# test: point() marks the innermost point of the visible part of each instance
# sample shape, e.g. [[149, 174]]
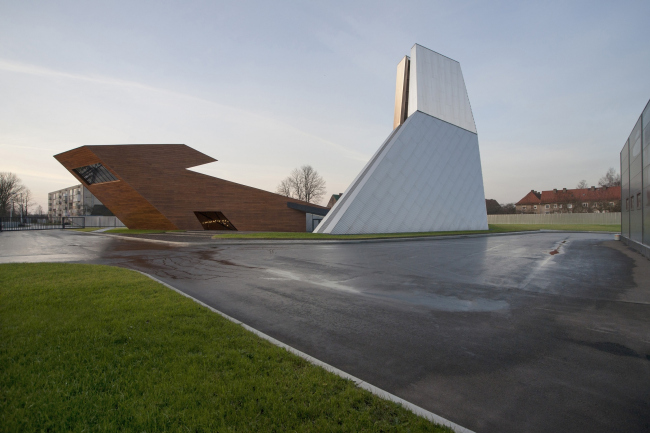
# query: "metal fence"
[[557, 218], [49, 223], [40, 223]]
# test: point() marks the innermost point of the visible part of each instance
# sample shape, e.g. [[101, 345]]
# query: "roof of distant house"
[[531, 198], [583, 194], [572, 195], [334, 199]]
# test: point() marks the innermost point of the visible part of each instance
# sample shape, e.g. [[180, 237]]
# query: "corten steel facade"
[[635, 185], [149, 187]]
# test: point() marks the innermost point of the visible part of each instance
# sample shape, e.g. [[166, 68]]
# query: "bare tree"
[[26, 200], [10, 189], [582, 184], [610, 179], [284, 188], [303, 183]]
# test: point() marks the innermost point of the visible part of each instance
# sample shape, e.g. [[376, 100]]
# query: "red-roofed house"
[[592, 200], [530, 203]]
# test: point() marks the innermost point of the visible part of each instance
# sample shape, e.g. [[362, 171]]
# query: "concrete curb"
[[577, 231], [131, 238], [358, 382], [358, 241], [639, 247], [336, 241], [370, 241]]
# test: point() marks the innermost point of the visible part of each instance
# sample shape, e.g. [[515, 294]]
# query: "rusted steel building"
[[148, 186]]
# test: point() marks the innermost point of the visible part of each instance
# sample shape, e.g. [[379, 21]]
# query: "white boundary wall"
[[557, 218], [103, 221]]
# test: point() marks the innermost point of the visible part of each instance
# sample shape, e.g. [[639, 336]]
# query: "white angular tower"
[[427, 175]]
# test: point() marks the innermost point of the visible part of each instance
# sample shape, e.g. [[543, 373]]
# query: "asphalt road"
[[492, 333]]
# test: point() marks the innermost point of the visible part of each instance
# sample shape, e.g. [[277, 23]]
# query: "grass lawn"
[[98, 348], [87, 229], [141, 232], [493, 228]]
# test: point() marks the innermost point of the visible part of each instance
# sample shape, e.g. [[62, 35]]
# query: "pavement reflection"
[[509, 333]]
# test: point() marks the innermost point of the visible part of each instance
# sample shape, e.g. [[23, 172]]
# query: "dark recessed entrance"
[[214, 221]]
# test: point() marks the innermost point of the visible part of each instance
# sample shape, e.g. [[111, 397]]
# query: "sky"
[[264, 87]]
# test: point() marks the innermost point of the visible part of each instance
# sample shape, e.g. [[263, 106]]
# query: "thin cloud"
[[23, 68]]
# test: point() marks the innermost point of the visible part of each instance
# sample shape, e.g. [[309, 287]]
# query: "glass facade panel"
[[625, 190], [636, 184], [636, 210], [636, 164], [646, 215], [95, 173], [646, 127], [645, 139]]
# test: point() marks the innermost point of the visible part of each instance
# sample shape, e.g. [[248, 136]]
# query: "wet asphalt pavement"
[[493, 333]]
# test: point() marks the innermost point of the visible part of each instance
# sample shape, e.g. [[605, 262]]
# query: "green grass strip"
[[493, 228], [98, 348], [501, 228], [87, 229], [141, 232]]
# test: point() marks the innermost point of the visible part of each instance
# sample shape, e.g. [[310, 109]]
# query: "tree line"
[[15, 198], [610, 179]]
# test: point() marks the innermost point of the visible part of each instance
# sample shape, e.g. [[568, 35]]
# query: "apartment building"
[[74, 201]]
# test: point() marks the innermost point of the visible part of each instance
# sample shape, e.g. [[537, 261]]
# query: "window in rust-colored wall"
[[214, 221], [95, 173]]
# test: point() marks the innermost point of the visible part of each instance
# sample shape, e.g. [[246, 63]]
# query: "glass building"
[[635, 185]]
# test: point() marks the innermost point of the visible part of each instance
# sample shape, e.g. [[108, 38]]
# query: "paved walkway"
[[492, 333]]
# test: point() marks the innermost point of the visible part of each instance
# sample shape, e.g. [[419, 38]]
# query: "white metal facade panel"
[[426, 177], [437, 88]]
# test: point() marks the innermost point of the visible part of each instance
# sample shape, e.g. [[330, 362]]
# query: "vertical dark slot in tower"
[[405, 104], [402, 92]]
